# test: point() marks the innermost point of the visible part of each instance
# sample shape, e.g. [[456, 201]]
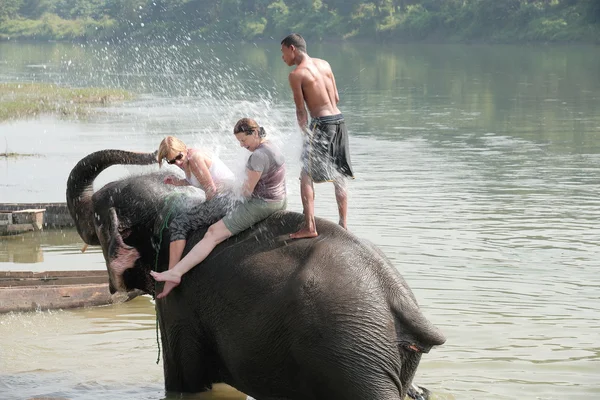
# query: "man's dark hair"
[[296, 40]]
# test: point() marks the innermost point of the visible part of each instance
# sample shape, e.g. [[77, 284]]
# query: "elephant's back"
[[263, 259], [269, 239]]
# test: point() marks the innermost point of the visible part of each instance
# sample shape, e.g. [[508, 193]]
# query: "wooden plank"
[[52, 278], [52, 281], [45, 274], [53, 297]]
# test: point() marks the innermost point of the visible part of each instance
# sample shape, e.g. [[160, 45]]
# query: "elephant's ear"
[[413, 331], [120, 256]]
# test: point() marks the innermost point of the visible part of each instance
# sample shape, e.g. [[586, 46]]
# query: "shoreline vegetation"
[[17, 155], [28, 100], [386, 21]]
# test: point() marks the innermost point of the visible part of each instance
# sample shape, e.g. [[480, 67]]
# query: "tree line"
[[377, 20]]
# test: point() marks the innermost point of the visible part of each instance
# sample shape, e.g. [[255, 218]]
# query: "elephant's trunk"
[[80, 186]]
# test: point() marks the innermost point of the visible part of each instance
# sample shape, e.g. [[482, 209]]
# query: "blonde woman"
[[203, 171], [264, 190]]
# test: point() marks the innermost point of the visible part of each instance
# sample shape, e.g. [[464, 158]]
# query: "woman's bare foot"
[[304, 233], [171, 279]]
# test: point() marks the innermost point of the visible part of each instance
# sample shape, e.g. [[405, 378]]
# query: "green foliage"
[[548, 28], [253, 28], [442, 20], [344, 8], [34, 9], [277, 16], [592, 10], [51, 26], [9, 9], [418, 22]]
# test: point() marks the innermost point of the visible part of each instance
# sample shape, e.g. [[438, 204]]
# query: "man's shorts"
[[246, 213], [326, 152]]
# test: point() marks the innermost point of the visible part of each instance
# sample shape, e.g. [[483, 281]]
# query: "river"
[[477, 173]]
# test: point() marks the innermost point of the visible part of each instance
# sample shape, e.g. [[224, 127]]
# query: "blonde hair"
[[169, 143]]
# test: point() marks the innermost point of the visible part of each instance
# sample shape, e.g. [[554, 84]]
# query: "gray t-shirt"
[[268, 159]]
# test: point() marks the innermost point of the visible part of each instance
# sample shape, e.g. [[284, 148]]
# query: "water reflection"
[[15, 249], [48, 250]]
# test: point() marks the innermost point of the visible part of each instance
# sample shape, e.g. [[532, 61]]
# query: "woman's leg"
[[216, 233], [180, 226], [175, 252]]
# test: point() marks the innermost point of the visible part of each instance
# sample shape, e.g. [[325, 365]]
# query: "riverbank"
[[25, 100]]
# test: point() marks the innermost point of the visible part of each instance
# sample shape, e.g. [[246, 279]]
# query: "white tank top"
[[220, 174]]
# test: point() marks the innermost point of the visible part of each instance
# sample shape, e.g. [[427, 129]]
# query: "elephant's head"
[[80, 186], [119, 217]]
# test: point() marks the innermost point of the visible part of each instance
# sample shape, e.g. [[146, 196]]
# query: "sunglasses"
[[173, 161]]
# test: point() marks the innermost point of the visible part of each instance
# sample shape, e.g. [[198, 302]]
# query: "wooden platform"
[[19, 221], [56, 215], [30, 291]]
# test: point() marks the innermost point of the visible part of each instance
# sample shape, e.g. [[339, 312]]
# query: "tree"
[[9, 9], [34, 9], [344, 8], [593, 10]]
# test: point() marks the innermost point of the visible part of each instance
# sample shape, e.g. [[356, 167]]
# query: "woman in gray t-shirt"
[[265, 194]]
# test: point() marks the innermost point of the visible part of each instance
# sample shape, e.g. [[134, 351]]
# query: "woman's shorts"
[[247, 213]]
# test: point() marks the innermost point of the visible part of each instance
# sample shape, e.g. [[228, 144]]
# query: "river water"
[[477, 172]]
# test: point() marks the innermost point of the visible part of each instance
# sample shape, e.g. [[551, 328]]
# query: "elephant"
[[321, 318]]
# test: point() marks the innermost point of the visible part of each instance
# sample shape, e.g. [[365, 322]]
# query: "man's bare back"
[[318, 87]]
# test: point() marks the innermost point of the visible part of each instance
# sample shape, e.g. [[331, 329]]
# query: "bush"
[[253, 28], [418, 23]]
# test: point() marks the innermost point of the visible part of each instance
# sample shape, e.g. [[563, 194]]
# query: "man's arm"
[[337, 96], [301, 114]]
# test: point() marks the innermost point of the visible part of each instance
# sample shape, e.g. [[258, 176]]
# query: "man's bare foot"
[[170, 278], [304, 233], [343, 224]]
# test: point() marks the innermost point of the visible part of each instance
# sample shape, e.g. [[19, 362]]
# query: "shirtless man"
[[325, 154]]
